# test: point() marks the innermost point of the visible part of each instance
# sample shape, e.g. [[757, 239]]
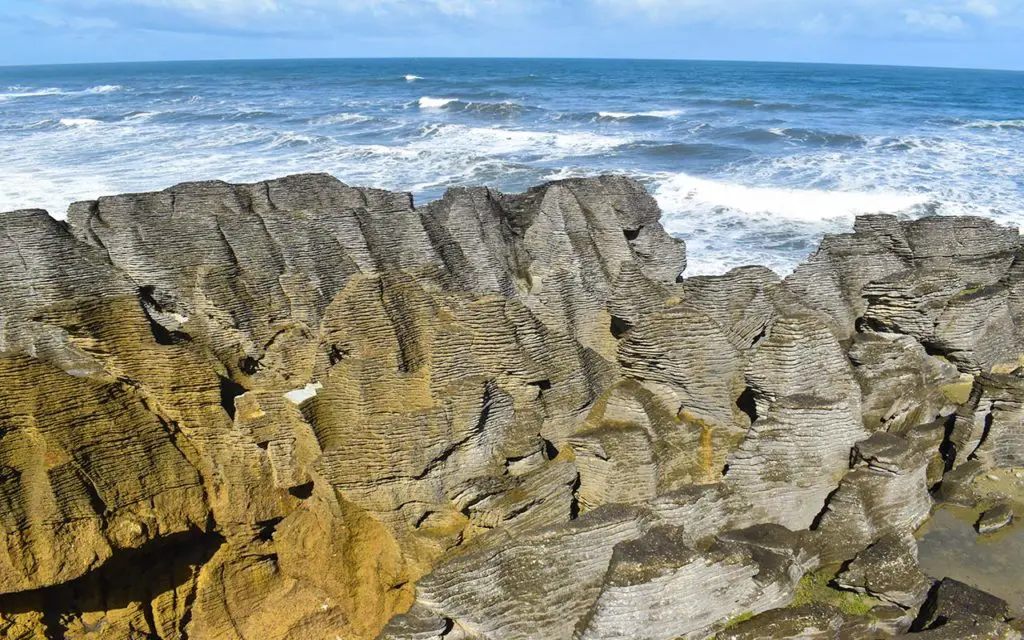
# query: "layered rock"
[[300, 409]]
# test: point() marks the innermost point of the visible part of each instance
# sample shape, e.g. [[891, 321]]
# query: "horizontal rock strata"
[[298, 409]]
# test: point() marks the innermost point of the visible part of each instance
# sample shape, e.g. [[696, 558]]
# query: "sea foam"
[[104, 88], [685, 192], [426, 102], [79, 122], [626, 115]]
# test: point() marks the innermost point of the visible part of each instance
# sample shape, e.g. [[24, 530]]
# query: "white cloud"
[[984, 8], [933, 20], [463, 8], [818, 16], [806, 17]]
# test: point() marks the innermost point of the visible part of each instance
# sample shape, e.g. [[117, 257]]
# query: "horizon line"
[[505, 58]]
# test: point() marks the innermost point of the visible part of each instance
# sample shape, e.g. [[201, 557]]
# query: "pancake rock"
[[298, 409]]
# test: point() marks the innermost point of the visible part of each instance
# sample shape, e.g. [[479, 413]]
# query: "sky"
[[949, 33]]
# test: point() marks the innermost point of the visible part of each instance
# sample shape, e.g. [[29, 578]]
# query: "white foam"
[[412, 78], [343, 118], [994, 124], [145, 115], [104, 88], [21, 92], [426, 102], [79, 122], [625, 115], [477, 141], [685, 192]]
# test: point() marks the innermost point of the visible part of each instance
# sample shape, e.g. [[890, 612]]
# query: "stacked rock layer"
[[302, 410]]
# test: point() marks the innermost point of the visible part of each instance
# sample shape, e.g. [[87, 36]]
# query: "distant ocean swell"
[[750, 163]]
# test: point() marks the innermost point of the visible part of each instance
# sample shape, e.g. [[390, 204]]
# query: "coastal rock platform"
[[302, 410]]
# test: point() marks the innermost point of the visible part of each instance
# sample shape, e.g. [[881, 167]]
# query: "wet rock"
[[973, 629], [810, 621], [958, 484], [995, 518], [951, 601], [888, 569]]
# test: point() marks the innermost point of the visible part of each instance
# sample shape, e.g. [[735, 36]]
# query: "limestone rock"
[[807, 407], [657, 587], [988, 426], [995, 518], [888, 570], [901, 385], [886, 493], [298, 409], [954, 601]]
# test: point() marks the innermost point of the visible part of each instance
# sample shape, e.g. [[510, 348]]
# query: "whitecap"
[[21, 92], [626, 115], [994, 124], [79, 122], [142, 116], [461, 139], [683, 192], [104, 88], [411, 78], [426, 102], [342, 118]]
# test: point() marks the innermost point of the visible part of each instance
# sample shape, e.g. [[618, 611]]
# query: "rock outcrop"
[[298, 409]]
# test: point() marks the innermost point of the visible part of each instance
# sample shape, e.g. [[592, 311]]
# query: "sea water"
[[751, 162]]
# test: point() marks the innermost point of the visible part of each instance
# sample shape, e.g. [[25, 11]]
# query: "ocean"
[[751, 162]]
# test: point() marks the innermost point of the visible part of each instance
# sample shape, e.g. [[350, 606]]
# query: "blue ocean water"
[[751, 162]]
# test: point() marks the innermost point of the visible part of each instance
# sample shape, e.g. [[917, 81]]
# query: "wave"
[[79, 122], [994, 124], [137, 116], [618, 116], [426, 102], [823, 138], [750, 103], [686, 150], [342, 118], [290, 139], [21, 92], [411, 78], [104, 88], [494, 141], [625, 115], [501, 109], [684, 193]]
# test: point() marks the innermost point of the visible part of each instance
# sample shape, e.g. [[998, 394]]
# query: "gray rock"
[[988, 426], [886, 493], [888, 570], [995, 518], [956, 602]]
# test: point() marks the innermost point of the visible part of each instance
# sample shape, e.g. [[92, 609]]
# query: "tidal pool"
[[949, 547]]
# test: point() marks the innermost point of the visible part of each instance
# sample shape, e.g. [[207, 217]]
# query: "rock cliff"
[[301, 410]]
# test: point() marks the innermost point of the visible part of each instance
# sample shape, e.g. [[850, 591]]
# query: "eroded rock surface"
[[298, 409]]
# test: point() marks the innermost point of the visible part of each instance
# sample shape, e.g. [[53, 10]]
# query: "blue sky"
[[962, 33]]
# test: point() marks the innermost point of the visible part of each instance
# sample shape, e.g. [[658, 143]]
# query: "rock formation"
[[302, 410]]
